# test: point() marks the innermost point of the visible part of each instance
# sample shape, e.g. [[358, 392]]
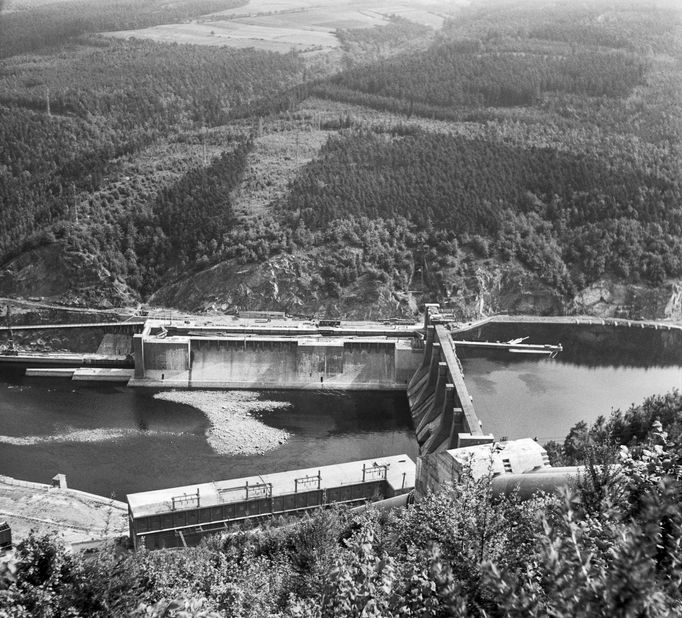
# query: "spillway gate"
[[442, 410]]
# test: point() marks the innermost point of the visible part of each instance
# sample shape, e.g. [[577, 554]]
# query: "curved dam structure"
[[442, 411]]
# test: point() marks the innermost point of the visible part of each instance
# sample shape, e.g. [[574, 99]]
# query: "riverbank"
[[575, 320], [77, 516], [234, 429]]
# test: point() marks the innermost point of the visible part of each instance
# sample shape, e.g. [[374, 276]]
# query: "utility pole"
[[10, 349], [75, 202], [47, 101]]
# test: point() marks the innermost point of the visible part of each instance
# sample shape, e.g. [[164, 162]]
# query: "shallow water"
[[125, 440]]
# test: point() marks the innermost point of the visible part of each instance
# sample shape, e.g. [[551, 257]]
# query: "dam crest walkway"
[[441, 407]]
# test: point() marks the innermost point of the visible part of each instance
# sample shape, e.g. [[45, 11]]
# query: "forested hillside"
[[26, 29], [68, 120], [455, 75], [556, 212], [506, 161]]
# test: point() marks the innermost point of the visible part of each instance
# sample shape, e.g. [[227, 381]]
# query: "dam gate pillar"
[[440, 404]]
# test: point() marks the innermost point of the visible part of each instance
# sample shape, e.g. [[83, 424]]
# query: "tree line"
[[445, 77], [629, 25]]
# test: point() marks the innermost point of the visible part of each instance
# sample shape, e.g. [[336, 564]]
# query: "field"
[[238, 34], [284, 25], [26, 5]]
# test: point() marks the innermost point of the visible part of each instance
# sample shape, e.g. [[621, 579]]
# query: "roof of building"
[[516, 456], [400, 474]]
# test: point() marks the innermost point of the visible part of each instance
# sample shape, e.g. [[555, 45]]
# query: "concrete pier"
[[42, 360], [52, 372], [99, 374]]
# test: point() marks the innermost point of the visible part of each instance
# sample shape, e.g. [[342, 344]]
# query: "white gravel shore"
[[234, 430], [82, 435]]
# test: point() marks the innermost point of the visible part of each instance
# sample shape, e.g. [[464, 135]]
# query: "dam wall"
[[274, 362], [442, 410], [256, 361], [116, 344]]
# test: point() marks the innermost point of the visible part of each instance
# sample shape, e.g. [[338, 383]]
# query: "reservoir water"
[[113, 440], [602, 368]]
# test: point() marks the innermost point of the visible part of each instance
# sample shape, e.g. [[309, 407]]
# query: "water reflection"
[[590, 346]]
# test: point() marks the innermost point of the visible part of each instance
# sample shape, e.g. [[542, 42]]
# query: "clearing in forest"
[[278, 154], [301, 25]]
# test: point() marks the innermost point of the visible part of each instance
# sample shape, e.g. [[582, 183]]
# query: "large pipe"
[[385, 505], [546, 480]]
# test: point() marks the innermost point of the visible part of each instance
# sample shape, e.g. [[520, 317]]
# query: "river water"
[[112, 440]]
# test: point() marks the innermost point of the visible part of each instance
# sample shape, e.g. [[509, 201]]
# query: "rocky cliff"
[[292, 283]]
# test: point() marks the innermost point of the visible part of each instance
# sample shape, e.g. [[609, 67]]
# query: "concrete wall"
[[271, 362], [253, 361], [116, 344], [138, 353], [166, 359], [319, 363], [369, 362], [407, 361]]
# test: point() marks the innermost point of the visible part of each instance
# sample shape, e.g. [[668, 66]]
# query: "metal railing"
[[374, 472], [308, 482], [186, 501]]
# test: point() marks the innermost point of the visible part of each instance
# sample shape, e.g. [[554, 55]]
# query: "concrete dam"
[[420, 360], [286, 354], [180, 359]]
